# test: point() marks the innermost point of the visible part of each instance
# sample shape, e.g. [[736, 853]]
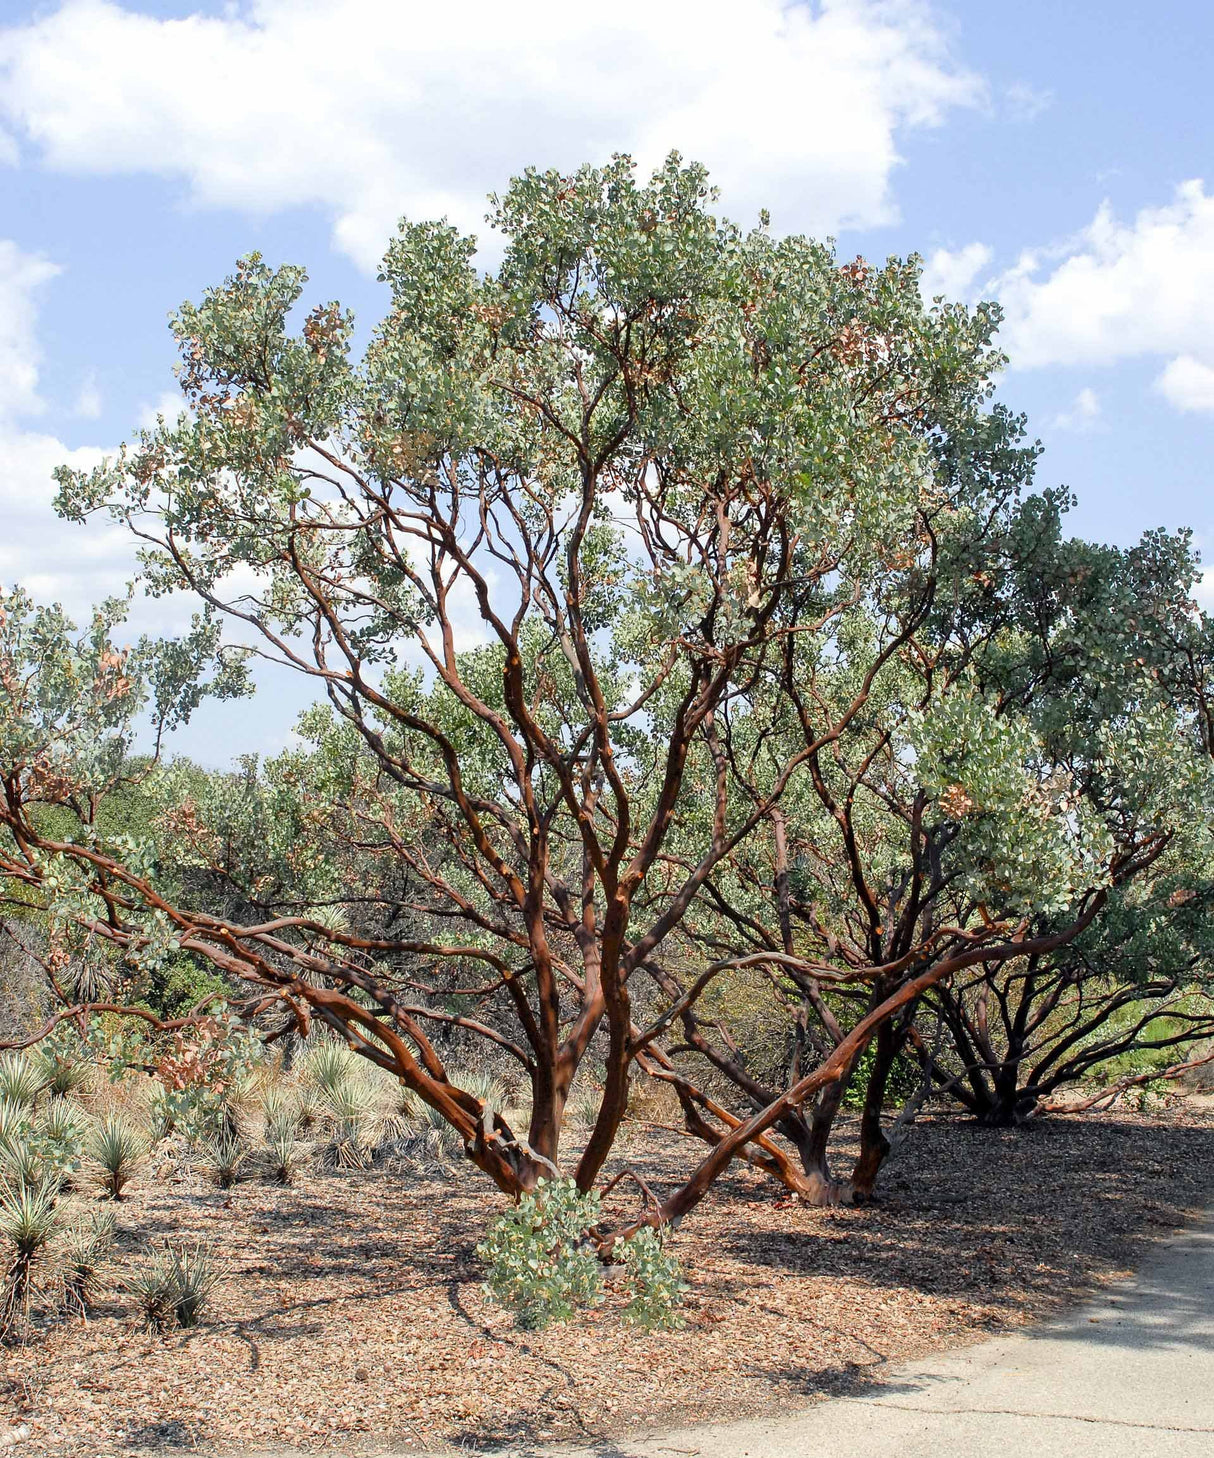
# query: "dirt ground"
[[352, 1314]]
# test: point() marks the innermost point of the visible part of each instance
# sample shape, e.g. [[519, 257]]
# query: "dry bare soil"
[[352, 1316]]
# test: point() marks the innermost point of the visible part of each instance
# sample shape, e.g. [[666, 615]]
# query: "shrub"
[[222, 1157], [541, 1262], [279, 1106], [428, 1145], [21, 1078], [85, 1246], [352, 1106], [59, 1135], [174, 1285], [20, 1162], [327, 1065], [117, 1148], [64, 1069], [653, 1282], [28, 1220], [282, 1151]]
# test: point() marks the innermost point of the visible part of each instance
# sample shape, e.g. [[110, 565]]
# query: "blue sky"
[[1059, 157]]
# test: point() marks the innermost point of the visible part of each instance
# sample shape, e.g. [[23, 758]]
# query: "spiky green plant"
[[28, 1220], [282, 1151], [21, 1163], [21, 1078], [430, 1145], [117, 1148], [13, 1116], [279, 1104], [327, 1065], [64, 1071], [481, 1084], [86, 1245], [195, 1275], [153, 1287], [582, 1109], [355, 1119], [222, 1157], [174, 1284]]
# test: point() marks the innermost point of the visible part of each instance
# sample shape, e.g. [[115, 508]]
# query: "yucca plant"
[[117, 1148], [328, 1065], [310, 1106], [21, 1164], [85, 1247], [12, 1117], [582, 1109], [195, 1276], [278, 1106], [63, 1072], [28, 1220], [282, 1150], [154, 1289], [173, 1285], [222, 1156], [481, 1085], [431, 1146], [21, 1078]]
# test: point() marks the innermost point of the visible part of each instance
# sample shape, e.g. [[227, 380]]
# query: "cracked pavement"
[[1131, 1373]]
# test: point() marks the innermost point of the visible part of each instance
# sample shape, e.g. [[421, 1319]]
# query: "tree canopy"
[[683, 634]]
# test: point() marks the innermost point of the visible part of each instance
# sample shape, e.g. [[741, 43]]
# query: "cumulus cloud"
[[954, 274], [1082, 414], [21, 275], [1187, 384], [1123, 290], [369, 110], [52, 560]]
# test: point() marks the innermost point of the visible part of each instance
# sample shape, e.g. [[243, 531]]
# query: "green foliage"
[[40, 1149], [540, 1257], [59, 1134], [174, 1285], [222, 1156], [763, 535], [29, 1219], [653, 1282], [21, 1078], [86, 1246], [282, 1150], [65, 1062], [117, 1149]]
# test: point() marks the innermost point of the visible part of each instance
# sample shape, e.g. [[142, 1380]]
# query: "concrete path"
[[1129, 1376]]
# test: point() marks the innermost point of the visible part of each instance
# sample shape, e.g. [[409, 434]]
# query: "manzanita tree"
[[567, 536], [975, 789]]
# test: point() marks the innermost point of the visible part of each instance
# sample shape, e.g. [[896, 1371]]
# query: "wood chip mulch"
[[352, 1315]]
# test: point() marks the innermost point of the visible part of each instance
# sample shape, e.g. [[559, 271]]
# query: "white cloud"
[[368, 110], [169, 404], [1083, 413], [1120, 291], [21, 274], [1025, 103], [88, 401], [954, 274], [55, 561], [1187, 384]]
